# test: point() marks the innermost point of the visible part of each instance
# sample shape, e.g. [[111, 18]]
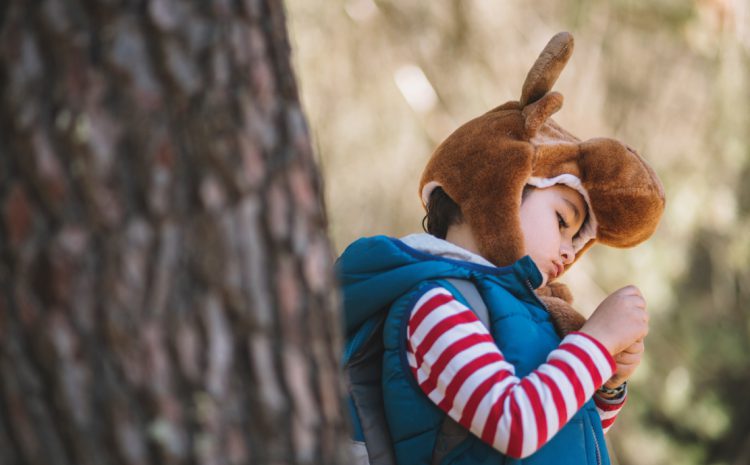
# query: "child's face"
[[550, 219]]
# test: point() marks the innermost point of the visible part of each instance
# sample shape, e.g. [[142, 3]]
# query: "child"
[[512, 200]]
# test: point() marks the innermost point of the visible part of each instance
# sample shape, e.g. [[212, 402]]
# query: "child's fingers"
[[631, 290], [637, 347], [632, 295], [625, 358]]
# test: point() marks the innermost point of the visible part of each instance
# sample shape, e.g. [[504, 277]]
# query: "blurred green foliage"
[[384, 81]]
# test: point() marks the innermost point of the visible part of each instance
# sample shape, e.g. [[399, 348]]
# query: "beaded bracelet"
[[618, 391]]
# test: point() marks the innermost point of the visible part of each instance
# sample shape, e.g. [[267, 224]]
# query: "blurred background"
[[384, 81]]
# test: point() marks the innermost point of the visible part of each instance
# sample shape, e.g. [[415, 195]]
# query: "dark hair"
[[442, 212], [526, 191]]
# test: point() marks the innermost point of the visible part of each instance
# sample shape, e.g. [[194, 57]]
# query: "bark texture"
[[166, 293]]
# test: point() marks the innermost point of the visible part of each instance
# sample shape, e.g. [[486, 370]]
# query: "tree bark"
[[166, 284]]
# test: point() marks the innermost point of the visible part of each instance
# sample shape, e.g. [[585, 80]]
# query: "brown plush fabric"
[[485, 164], [559, 302]]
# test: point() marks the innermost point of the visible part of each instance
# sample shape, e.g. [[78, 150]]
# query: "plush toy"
[[486, 163]]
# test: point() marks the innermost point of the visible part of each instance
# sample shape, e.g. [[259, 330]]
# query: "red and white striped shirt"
[[458, 366]]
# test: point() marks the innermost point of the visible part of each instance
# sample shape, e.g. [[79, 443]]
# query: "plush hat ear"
[[627, 196], [547, 68], [535, 114]]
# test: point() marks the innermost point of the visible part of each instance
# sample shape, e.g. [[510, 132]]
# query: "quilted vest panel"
[[525, 335]]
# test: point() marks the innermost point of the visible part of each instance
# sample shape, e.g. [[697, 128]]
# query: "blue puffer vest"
[[383, 273]]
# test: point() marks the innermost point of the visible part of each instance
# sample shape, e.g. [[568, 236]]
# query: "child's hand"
[[627, 362], [620, 320]]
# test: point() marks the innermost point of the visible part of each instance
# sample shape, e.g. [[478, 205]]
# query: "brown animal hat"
[[485, 164]]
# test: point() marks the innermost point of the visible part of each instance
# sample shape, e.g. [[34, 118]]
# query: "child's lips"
[[557, 270]]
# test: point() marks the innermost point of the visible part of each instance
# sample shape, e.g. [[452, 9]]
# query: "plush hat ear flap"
[[626, 194], [547, 68], [556, 289], [491, 200], [565, 318], [537, 113]]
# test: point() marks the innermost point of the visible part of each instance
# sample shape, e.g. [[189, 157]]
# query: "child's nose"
[[567, 254]]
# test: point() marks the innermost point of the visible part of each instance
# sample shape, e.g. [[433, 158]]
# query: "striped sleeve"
[[458, 366], [608, 410]]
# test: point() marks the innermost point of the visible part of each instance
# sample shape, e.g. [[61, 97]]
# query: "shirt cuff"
[[601, 365], [616, 401]]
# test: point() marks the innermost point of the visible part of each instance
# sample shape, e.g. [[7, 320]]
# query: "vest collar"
[[427, 246]]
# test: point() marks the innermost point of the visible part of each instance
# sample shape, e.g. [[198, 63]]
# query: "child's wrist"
[[600, 342], [609, 393], [601, 338], [602, 349]]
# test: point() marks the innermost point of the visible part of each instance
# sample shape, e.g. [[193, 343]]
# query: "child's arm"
[[608, 410], [458, 366], [627, 362]]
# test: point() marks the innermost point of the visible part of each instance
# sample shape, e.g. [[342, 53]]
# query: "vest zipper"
[[536, 297], [593, 432], [596, 444]]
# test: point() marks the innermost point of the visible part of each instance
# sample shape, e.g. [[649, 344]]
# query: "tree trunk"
[[166, 285]]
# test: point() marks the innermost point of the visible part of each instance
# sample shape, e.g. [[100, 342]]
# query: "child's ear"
[[547, 68]]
